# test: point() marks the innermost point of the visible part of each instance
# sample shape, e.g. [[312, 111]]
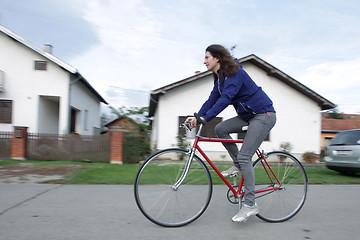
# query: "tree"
[[334, 114], [140, 115]]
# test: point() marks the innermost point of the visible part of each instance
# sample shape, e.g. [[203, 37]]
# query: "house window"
[[40, 65], [5, 111], [208, 129]]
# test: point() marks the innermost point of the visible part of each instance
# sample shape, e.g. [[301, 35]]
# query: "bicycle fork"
[[176, 186]]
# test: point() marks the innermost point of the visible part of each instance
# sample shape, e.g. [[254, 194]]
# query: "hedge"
[[135, 148]]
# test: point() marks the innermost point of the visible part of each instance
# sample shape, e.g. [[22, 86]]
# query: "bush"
[[285, 147], [135, 148], [310, 157]]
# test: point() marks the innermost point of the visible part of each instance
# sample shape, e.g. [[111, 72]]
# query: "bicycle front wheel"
[[157, 195], [282, 188]]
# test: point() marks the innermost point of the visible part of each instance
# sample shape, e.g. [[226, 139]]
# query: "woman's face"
[[212, 63]]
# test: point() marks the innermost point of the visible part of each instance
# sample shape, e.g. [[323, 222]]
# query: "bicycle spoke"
[[164, 203], [283, 203]]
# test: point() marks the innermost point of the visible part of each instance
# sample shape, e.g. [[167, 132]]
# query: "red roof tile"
[[350, 121]]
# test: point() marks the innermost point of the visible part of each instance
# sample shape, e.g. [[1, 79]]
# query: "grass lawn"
[[105, 173]]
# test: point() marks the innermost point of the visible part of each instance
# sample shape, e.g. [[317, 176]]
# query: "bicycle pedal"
[[233, 175]]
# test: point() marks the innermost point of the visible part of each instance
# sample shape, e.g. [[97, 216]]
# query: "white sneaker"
[[231, 171], [245, 212]]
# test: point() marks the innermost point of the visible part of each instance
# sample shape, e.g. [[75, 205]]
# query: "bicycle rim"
[[287, 198], [159, 201]]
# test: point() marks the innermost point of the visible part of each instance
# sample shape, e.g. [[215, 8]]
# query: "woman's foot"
[[245, 212], [231, 171]]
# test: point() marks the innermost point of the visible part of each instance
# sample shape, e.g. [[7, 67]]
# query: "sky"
[[127, 48]]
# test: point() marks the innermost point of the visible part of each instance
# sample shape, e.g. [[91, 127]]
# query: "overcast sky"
[[126, 48]]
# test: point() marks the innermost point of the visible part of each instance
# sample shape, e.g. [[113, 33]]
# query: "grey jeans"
[[259, 127]]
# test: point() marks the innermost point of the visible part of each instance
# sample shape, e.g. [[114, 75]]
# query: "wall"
[[88, 106], [326, 139], [48, 120]]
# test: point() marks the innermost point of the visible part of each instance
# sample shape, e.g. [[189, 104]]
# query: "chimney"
[[48, 48]]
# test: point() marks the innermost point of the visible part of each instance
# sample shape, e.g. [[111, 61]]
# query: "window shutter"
[[5, 111], [40, 65]]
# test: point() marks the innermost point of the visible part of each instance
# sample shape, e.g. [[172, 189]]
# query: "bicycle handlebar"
[[198, 118], [186, 126]]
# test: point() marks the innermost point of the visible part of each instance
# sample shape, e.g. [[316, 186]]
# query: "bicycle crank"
[[231, 197]]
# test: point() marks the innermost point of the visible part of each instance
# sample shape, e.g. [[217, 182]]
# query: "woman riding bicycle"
[[233, 86]]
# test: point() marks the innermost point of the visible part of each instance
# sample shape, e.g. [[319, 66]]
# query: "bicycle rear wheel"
[[160, 201], [279, 202]]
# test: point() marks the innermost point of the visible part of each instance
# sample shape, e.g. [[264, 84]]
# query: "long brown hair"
[[228, 65]]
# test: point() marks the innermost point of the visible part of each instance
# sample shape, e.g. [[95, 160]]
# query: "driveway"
[[25, 172]]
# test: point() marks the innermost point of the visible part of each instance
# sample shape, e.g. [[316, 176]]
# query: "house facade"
[[298, 109], [41, 92]]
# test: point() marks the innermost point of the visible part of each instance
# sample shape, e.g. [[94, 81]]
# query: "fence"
[[105, 148], [5, 144], [68, 147]]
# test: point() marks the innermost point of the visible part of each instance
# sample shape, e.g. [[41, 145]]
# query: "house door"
[[73, 120]]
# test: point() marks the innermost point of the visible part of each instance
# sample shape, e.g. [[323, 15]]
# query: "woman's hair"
[[228, 65]]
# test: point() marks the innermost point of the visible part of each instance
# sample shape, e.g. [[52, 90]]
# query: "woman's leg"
[[259, 128], [223, 130]]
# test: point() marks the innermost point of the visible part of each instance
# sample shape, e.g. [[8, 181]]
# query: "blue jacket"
[[240, 91]]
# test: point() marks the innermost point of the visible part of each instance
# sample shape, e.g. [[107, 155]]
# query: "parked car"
[[343, 154]]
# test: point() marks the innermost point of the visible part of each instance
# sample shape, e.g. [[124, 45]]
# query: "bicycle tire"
[[154, 193], [282, 204]]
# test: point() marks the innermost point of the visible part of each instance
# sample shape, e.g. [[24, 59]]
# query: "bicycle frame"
[[275, 184]]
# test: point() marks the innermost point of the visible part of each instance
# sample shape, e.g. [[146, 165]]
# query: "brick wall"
[[19, 143], [116, 148]]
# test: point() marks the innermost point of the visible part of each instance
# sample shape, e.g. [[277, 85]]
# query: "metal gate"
[[5, 144], [68, 147]]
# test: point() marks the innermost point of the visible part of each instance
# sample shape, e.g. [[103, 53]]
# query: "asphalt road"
[[45, 211]]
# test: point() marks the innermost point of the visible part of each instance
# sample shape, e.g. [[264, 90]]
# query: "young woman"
[[233, 86]]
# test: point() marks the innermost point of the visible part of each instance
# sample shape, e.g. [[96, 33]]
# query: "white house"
[[298, 109], [41, 92]]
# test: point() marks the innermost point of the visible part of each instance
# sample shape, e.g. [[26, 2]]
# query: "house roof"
[[115, 121], [51, 58], [253, 59], [350, 121]]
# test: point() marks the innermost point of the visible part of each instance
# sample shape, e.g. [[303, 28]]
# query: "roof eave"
[[273, 71], [52, 58], [155, 94], [35, 48], [323, 103], [87, 84]]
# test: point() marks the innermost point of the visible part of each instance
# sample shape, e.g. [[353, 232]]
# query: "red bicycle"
[[173, 187]]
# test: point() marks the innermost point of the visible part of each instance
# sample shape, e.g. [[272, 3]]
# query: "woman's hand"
[[192, 121]]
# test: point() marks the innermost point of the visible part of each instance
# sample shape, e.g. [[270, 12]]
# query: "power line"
[[128, 89]]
